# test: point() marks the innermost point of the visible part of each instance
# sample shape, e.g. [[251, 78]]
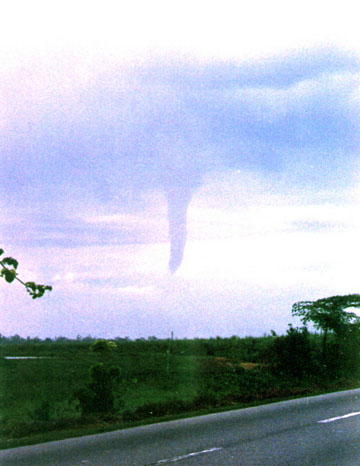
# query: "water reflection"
[[27, 357]]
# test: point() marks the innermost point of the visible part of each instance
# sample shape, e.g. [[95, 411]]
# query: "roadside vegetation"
[[89, 385]]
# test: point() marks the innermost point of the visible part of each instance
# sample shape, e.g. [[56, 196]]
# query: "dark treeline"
[[289, 353], [244, 348], [297, 347]]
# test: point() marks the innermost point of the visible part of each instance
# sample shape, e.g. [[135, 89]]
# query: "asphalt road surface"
[[321, 430]]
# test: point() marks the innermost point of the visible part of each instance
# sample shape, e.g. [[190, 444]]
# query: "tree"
[[9, 273], [328, 314], [292, 354], [98, 395], [103, 346]]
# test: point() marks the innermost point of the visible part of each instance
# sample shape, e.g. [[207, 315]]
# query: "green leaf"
[[36, 291], [10, 261], [8, 274]]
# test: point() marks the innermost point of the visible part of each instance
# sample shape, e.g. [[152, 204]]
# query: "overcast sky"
[[171, 167]]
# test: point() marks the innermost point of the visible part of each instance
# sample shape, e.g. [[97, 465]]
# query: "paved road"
[[321, 430]]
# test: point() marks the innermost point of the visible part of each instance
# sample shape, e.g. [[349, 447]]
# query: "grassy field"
[[35, 391], [38, 396]]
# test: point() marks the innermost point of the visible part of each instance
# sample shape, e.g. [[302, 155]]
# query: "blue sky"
[[233, 155]]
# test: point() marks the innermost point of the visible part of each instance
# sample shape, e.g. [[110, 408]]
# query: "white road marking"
[[195, 453], [332, 419]]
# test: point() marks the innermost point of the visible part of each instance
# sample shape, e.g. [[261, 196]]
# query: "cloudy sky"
[[171, 167]]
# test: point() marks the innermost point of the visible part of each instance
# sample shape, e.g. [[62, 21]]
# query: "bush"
[[292, 355], [342, 359], [98, 395], [103, 346], [42, 412]]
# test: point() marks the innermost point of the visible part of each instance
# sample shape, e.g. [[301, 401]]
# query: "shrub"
[[292, 354], [342, 359], [42, 412], [98, 395], [103, 346]]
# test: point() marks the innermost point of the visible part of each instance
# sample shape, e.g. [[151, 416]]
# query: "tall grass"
[[39, 395]]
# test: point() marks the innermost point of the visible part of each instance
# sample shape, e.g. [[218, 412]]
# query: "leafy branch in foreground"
[[8, 272]]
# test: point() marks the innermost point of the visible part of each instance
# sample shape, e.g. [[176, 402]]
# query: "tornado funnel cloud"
[[178, 202]]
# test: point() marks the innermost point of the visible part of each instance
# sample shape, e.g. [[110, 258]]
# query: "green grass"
[[37, 401], [41, 390], [101, 427]]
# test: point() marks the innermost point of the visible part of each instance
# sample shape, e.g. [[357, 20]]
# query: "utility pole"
[[168, 353]]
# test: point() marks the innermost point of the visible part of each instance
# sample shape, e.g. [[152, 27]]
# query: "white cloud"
[[240, 203], [204, 29], [269, 104], [136, 290], [142, 220], [246, 231], [273, 239], [279, 261]]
